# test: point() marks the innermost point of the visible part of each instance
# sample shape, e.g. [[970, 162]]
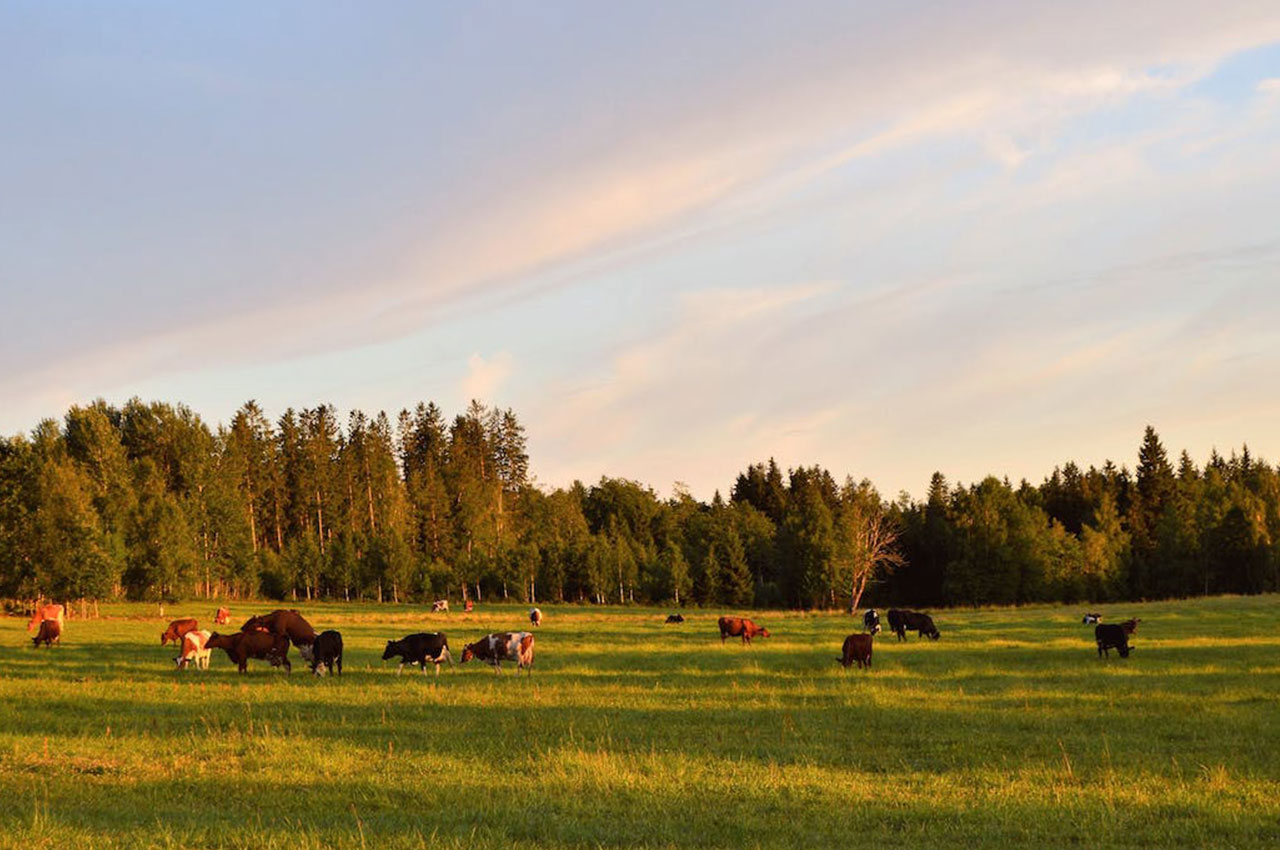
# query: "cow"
[[49, 634], [177, 629], [505, 646], [1130, 626], [857, 647], [900, 621], [535, 616], [419, 649], [469, 606], [327, 653], [675, 618], [440, 605], [1111, 636], [52, 611], [258, 643], [1091, 619], [222, 616], [287, 623], [871, 621], [737, 626], [195, 648]]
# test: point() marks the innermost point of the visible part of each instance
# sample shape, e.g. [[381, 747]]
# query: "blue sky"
[[677, 238]]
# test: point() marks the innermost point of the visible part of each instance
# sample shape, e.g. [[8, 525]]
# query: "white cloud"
[[485, 377]]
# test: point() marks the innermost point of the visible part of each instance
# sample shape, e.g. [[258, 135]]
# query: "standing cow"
[[419, 649], [901, 621], [1111, 636], [177, 629], [535, 616], [42, 613], [327, 653], [222, 616], [195, 649], [49, 634], [504, 646], [737, 626], [260, 644], [285, 623], [857, 647], [440, 606], [871, 621]]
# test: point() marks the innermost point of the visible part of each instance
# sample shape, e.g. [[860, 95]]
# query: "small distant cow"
[[49, 634], [469, 606], [1130, 626], [287, 623], [195, 649], [222, 616], [871, 621], [1111, 636], [177, 629], [52, 611], [1091, 619], [439, 606], [675, 618], [326, 652], [739, 627], [900, 622], [535, 616], [419, 649], [503, 646], [260, 644], [857, 647]]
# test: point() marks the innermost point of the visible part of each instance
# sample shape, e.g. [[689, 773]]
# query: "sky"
[[888, 238]]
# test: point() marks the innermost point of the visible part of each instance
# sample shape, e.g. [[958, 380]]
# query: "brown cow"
[[222, 616], [287, 623], [177, 629], [241, 646], [857, 647], [503, 646], [735, 626], [1130, 626], [52, 611], [49, 634]]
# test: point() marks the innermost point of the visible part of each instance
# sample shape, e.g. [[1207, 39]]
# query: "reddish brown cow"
[[287, 623], [857, 647], [49, 634], [52, 611], [737, 626], [242, 646], [222, 617], [1130, 626], [177, 629]]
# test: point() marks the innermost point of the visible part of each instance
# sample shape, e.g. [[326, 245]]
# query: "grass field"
[[1006, 732]]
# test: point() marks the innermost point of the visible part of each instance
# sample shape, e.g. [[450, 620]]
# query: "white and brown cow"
[[194, 650], [502, 646]]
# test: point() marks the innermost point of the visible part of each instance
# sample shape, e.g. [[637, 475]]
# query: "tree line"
[[146, 501]]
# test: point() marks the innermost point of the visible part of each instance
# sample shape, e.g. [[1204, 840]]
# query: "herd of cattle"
[[268, 637]]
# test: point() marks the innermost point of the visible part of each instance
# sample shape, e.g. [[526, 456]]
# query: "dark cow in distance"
[[675, 618], [177, 629], [535, 616], [285, 623], [740, 627], [857, 647], [503, 646], [326, 652], [1091, 619], [419, 649], [871, 621], [241, 646], [901, 621], [49, 634], [1111, 636]]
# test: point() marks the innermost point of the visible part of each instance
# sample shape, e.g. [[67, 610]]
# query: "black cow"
[[419, 649], [1111, 636], [326, 652], [871, 621], [901, 621], [675, 618]]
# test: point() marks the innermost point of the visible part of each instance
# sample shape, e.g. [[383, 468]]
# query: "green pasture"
[[1008, 732]]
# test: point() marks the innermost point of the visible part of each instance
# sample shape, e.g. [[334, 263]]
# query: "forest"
[[146, 501]]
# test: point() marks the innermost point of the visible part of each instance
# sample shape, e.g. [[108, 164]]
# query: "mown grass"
[[1006, 732]]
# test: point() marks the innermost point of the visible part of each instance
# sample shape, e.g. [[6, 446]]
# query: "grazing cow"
[[1091, 619], [177, 629], [871, 622], [1111, 636], [327, 652], [535, 616], [505, 646], [222, 616], [857, 647], [195, 648], [737, 626], [287, 623], [440, 605], [901, 621], [49, 634], [1130, 626], [261, 644], [419, 649], [675, 618], [52, 611]]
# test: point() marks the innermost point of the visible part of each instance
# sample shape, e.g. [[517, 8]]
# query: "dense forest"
[[146, 501]]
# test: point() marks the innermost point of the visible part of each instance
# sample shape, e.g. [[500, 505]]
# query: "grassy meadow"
[[1006, 732]]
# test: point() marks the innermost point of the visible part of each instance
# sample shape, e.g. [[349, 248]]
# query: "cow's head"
[[934, 634], [762, 632], [393, 648], [468, 653], [1124, 649]]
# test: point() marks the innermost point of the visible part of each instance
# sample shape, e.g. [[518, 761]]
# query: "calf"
[[195, 648], [535, 616], [505, 646], [1111, 636], [177, 629], [440, 605], [49, 634], [326, 652], [1091, 619], [222, 616], [241, 646], [857, 647], [737, 626], [1130, 626], [901, 621], [675, 618], [871, 621], [419, 649]]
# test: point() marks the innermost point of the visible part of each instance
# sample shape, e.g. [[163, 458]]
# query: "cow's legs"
[[400, 669]]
